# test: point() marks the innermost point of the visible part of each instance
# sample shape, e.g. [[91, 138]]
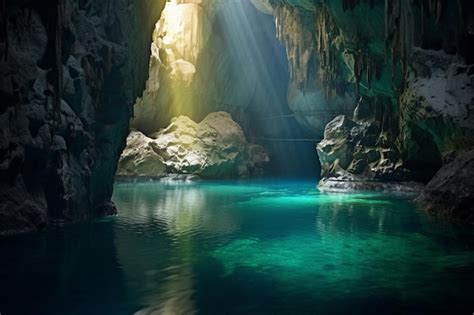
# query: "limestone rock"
[[358, 152], [439, 101], [70, 72], [264, 6], [194, 70], [214, 148], [450, 194], [139, 158]]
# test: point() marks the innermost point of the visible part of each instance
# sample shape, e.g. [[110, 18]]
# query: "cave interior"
[[237, 156]]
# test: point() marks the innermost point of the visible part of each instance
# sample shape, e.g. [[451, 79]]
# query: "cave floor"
[[249, 247]]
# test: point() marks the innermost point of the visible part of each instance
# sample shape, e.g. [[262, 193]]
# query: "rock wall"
[[449, 194], [175, 84], [403, 72], [70, 72], [212, 56]]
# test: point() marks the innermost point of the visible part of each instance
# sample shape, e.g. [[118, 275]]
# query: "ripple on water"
[[243, 248]]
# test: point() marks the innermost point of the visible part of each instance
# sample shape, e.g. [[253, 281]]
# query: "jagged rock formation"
[[312, 64], [215, 148], [406, 67], [356, 155], [69, 74]]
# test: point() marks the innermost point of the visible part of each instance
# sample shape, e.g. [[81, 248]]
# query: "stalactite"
[[400, 26], [439, 10], [294, 31], [399, 33], [350, 4], [329, 69], [366, 65], [94, 72], [4, 25], [436, 9], [460, 13], [58, 60]]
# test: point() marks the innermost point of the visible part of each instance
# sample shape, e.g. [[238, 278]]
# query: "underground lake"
[[243, 247]]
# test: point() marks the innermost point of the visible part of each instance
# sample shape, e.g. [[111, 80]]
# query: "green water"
[[243, 248]]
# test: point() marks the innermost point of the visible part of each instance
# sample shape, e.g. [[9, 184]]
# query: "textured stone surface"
[[215, 148], [199, 64], [450, 194], [438, 102], [69, 74], [405, 66], [357, 152], [351, 182]]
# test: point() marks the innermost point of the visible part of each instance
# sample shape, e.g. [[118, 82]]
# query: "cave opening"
[[223, 56]]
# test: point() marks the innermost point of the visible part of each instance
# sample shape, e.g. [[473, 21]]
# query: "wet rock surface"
[[215, 148], [406, 68], [358, 155], [70, 72], [450, 194]]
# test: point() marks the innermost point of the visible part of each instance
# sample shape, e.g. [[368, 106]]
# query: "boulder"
[[359, 155], [450, 194], [214, 148]]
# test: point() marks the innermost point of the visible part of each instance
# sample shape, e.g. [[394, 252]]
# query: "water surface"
[[262, 247]]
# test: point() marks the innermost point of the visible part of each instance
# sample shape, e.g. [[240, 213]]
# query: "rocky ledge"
[[215, 148], [350, 182], [358, 155]]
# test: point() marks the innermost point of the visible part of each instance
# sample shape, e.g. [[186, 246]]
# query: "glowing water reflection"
[[310, 246], [266, 247]]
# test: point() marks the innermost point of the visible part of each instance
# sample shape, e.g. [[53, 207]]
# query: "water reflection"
[[179, 208], [175, 295], [66, 270], [182, 215], [239, 248]]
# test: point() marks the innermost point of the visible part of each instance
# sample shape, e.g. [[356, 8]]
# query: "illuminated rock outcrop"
[[178, 41], [198, 65], [214, 148]]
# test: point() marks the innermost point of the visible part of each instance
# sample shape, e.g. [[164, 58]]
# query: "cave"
[[212, 63], [236, 157]]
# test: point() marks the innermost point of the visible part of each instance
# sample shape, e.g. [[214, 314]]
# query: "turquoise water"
[[243, 248]]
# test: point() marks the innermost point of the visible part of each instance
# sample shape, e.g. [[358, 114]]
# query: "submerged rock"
[[214, 148], [450, 194]]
